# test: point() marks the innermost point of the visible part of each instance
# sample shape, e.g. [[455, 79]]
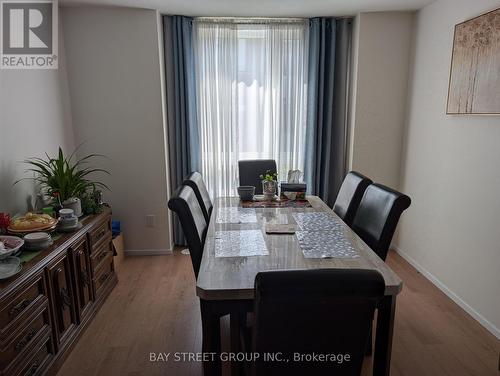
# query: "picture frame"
[[475, 67]]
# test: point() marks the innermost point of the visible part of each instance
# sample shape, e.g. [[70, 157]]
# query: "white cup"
[[66, 213]]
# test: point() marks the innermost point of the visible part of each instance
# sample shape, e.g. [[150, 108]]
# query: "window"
[[251, 96]]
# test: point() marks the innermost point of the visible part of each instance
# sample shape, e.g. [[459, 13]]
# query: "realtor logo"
[[28, 34]]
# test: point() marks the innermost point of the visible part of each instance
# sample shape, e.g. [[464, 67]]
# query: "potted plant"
[[66, 179], [269, 185]]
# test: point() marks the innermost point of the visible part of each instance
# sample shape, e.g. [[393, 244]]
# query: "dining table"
[[237, 247]]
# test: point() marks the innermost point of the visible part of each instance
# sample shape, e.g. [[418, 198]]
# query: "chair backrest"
[[185, 204], [322, 311], [349, 196], [378, 215], [195, 181], [250, 171]]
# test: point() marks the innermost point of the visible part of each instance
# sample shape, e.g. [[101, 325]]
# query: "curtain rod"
[[250, 20]]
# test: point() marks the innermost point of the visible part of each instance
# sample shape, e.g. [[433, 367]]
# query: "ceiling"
[[261, 8]]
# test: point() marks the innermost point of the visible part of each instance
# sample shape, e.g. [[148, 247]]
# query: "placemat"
[[332, 244], [236, 215], [317, 221], [27, 256], [276, 204], [240, 243]]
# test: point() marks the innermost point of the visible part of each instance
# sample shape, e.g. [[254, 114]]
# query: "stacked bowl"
[[68, 221], [37, 241]]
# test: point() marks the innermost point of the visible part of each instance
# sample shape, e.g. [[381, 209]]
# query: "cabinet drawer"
[[39, 358], [98, 234], [101, 253], [32, 329], [104, 274], [23, 300]]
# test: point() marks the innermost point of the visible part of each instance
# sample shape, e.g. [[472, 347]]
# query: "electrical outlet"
[[150, 220]]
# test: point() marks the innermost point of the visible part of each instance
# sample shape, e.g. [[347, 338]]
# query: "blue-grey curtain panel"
[[326, 135], [182, 130]]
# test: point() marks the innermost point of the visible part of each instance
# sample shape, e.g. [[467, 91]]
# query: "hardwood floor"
[[154, 309]]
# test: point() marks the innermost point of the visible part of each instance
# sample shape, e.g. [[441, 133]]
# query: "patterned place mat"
[[240, 243], [332, 244], [317, 221], [236, 215]]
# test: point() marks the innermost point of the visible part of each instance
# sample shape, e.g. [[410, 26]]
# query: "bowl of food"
[[9, 245]]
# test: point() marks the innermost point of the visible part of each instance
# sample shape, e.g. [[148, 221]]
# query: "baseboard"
[[440, 285], [147, 252]]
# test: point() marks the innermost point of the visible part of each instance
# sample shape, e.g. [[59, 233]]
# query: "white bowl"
[[6, 251], [68, 221], [66, 213], [36, 238], [38, 246]]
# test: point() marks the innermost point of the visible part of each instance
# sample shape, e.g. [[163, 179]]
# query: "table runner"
[[276, 204]]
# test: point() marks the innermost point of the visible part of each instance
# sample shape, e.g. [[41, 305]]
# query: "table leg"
[[211, 344], [383, 336], [236, 320]]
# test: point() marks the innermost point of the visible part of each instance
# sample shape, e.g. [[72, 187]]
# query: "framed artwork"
[[474, 86]]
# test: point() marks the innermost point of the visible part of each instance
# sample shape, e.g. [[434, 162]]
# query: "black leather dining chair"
[[351, 191], [195, 181], [250, 171], [378, 215], [185, 204], [322, 311]]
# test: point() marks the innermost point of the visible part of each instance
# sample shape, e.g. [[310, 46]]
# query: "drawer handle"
[[100, 234], [102, 256], [17, 309], [103, 277], [22, 343], [33, 368], [65, 298]]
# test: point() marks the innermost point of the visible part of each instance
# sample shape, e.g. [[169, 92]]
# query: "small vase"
[[269, 188]]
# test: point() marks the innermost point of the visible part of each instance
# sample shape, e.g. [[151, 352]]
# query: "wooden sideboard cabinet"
[[46, 307]]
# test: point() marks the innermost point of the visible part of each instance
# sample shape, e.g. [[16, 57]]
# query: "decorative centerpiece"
[[269, 185], [66, 180]]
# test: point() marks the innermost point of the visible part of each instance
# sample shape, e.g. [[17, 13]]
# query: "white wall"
[[115, 86], [450, 169], [35, 118], [381, 55]]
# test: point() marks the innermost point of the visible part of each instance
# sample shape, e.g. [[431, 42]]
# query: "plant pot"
[[269, 188], [75, 204]]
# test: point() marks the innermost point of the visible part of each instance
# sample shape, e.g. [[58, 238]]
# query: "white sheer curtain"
[[251, 95]]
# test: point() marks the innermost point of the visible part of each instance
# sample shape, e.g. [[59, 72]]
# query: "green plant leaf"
[[61, 175]]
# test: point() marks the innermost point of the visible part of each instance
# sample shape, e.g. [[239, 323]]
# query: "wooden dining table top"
[[232, 278]]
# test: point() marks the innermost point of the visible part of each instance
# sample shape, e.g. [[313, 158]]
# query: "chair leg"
[[369, 344]]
